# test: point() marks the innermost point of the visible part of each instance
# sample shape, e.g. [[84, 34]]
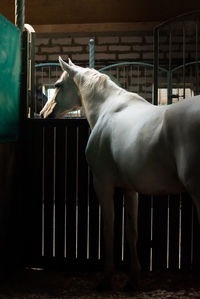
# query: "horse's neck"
[[105, 99], [96, 102]]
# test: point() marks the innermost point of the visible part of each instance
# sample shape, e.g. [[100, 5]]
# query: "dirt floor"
[[32, 284]]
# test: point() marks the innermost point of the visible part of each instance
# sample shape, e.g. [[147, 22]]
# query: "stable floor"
[[42, 284]]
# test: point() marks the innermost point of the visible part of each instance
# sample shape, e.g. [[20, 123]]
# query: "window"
[[49, 92], [177, 95]]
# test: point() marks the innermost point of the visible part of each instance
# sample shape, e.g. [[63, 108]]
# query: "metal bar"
[[99, 235], [124, 77], [77, 195], [145, 80], [138, 79], [54, 191], [130, 63], [91, 53], [123, 230], [106, 67], [65, 192], [156, 66], [186, 64], [88, 214], [169, 75], [184, 50], [178, 18], [196, 54], [151, 238], [43, 192], [47, 64]]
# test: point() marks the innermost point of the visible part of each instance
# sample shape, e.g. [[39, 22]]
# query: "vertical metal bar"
[[49, 76], [131, 81], [192, 92], [91, 53], [138, 79], [88, 207], [196, 55], [124, 77], [19, 14], [168, 225], [127, 77], [123, 230], [169, 74], [88, 215], [180, 232], [151, 249], [156, 66], [145, 82], [65, 224], [99, 237], [54, 192], [43, 173], [183, 59], [192, 237], [77, 200], [118, 75], [35, 91]]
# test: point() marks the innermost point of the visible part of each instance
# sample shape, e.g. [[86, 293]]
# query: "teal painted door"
[[10, 62]]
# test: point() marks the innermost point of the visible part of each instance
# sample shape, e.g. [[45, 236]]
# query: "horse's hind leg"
[[105, 192], [131, 210]]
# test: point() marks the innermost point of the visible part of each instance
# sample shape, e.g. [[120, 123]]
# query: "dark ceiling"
[[98, 11]]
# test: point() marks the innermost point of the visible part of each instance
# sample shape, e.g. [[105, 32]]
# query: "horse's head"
[[66, 96]]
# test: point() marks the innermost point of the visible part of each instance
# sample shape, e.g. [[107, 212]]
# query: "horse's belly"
[[157, 185], [155, 178], [153, 184]]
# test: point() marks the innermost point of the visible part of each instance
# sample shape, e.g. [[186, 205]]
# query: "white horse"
[[133, 144]]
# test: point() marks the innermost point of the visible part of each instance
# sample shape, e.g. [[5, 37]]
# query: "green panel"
[[10, 62]]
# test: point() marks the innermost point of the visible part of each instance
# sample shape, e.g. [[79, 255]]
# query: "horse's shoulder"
[[99, 137]]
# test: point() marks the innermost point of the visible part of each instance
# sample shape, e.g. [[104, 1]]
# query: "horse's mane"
[[95, 80]]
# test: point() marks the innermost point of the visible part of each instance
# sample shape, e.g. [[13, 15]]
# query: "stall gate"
[[177, 49], [63, 218]]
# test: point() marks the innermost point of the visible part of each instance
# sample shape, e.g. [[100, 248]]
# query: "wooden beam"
[[95, 28]]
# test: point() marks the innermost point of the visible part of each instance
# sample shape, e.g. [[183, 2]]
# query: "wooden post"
[[19, 14]]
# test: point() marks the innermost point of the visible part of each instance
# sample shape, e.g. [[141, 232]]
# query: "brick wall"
[[134, 46], [112, 48], [109, 49]]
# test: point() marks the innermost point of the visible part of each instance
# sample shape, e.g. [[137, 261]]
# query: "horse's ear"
[[67, 68], [70, 62]]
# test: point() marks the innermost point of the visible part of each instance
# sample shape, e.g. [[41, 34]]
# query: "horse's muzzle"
[[51, 115]]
